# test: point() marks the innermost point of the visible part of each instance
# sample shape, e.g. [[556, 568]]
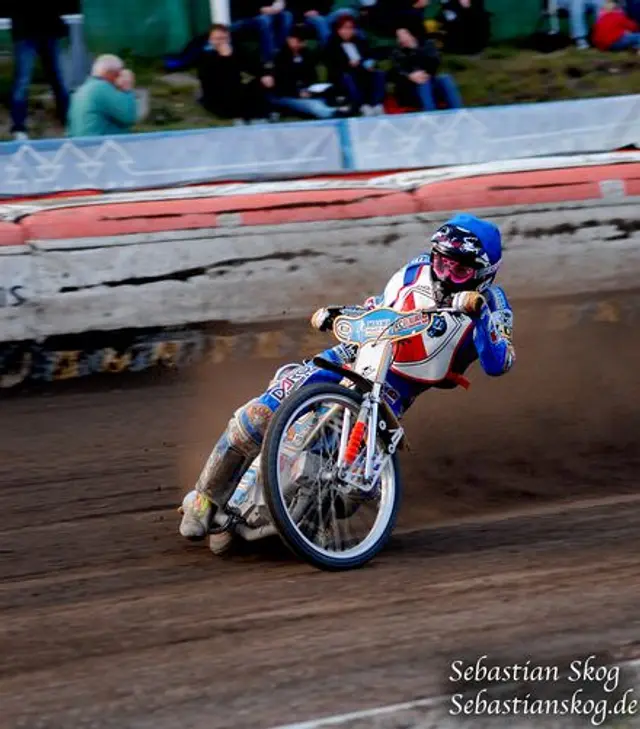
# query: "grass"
[[501, 75]]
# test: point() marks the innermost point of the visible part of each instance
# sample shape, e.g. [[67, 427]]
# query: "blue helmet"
[[473, 243]]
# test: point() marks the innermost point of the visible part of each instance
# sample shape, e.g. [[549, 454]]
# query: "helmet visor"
[[446, 268]]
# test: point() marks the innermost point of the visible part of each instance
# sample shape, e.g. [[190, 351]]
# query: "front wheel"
[[331, 525]]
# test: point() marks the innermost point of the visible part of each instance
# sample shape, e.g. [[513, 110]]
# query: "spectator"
[[272, 20], [577, 10], [295, 72], [615, 30], [36, 29], [318, 15], [105, 103], [466, 25], [220, 70], [414, 69], [352, 70]]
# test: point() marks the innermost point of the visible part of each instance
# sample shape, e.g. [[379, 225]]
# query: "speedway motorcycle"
[[327, 479]]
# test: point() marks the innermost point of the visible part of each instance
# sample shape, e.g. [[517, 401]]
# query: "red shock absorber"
[[355, 439]]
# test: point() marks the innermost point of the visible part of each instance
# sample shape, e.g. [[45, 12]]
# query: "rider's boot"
[[240, 443], [196, 512]]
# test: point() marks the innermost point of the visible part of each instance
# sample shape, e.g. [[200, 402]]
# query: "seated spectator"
[[417, 84], [578, 10], [295, 72], [614, 30], [318, 15], [271, 19], [352, 69], [220, 71], [105, 103], [466, 25]]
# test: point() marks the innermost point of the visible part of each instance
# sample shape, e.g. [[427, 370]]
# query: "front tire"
[[275, 484]]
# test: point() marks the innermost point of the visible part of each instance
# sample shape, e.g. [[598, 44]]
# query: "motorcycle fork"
[[367, 421]]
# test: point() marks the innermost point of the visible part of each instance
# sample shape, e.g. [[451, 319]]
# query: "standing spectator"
[[417, 84], [272, 20], [295, 71], [105, 103], [466, 25], [615, 30], [36, 30], [578, 10], [319, 15], [352, 69]]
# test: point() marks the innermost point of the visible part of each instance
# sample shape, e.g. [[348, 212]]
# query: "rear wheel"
[[330, 524]]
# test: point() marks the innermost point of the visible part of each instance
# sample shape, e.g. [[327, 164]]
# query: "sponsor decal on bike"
[[391, 396], [346, 352], [343, 329], [241, 494], [437, 327], [409, 322]]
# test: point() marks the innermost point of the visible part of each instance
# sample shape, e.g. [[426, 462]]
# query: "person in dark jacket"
[[270, 18], [295, 72], [318, 14], [415, 72], [221, 68], [36, 29], [352, 69]]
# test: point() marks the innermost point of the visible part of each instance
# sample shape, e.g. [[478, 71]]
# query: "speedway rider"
[[457, 272]]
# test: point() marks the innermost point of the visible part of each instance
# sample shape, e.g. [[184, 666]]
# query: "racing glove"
[[371, 302], [469, 303], [322, 319]]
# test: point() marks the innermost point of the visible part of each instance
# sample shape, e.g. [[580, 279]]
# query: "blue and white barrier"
[[466, 136]]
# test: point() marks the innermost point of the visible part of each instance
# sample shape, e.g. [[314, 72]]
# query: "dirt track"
[[108, 620]]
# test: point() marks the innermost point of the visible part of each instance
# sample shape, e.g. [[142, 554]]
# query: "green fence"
[[145, 27]]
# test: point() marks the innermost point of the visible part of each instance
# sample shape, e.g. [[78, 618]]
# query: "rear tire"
[[290, 535]]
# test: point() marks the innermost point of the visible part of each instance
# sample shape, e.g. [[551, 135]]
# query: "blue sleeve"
[[187, 57], [493, 334]]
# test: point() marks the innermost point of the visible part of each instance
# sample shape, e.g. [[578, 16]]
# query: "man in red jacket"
[[614, 30]]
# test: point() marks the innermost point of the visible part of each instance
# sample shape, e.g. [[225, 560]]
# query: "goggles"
[[447, 268]]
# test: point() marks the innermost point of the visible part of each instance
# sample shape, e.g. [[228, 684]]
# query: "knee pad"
[[248, 426], [237, 447]]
